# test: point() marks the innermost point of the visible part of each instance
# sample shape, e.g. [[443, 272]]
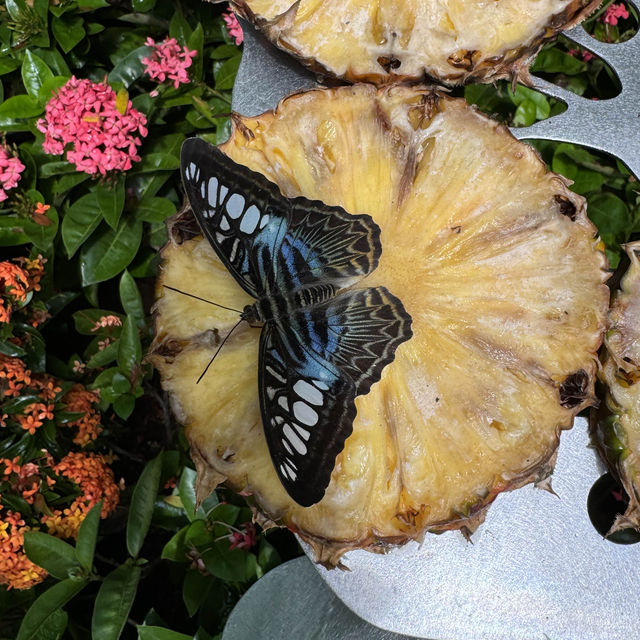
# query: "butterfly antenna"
[[215, 304], [218, 349]]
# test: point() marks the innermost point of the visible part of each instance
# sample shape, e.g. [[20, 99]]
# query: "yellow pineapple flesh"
[[492, 256], [384, 40], [618, 433]]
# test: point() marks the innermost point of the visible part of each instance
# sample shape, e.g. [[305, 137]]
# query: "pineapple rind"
[[506, 295], [618, 433], [454, 41]]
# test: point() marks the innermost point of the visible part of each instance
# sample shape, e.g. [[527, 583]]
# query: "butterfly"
[[320, 347]]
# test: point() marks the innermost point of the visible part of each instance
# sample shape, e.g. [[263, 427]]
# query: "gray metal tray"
[[536, 569]]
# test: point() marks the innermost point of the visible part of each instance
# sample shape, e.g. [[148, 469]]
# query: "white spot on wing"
[[219, 238], [202, 189], [250, 220], [223, 192], [305, 413], [264, 221], [303, 432], [320, 385], [287, 447], [235, 205], [232, 255], [191, 171], [284, 471], [271, 392], [275, 374], [293, 438], [308, 392], [213, 191], [284, 403], [224, 224], [292, 474]]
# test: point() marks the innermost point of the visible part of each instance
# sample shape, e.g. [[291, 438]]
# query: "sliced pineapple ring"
[[496, 262], [618, 434], [386, 40]]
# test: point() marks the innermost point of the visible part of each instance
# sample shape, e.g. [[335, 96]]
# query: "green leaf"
[[114, 602], [56, 168], [104, 357], [15, 8], [55, 627], [160, 633], [42, 235], [130, 299], [157, 162], [50, 553], [268, 557], [225, 73], [224, 563], [46, 605], [130, 68], [130, 350], [555, 61], [179, 28], [194, 590], [187, 492], [196, 43], [35, 73], [20, 107], [87, 537], [111, 201], [142, 501], [143, 5], [68, 30], [79, 222], [48, 88], [225, 51], [120, 383], [610, 214], [12, 231], [124, 405], [106, 254], [176, 549], [7, 65]]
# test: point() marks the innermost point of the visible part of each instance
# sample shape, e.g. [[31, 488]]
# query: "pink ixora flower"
[[233, 27], [169, 60], [244, 539], [97, 135], [10, 170], [613, 12]]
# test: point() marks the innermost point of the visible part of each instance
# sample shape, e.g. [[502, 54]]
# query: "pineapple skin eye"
[[505, 335]]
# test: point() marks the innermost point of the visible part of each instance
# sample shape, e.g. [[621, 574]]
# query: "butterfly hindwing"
[[272, 244], [311, 371], [307, 413]]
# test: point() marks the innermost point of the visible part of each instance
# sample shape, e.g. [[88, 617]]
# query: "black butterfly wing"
[[312, 370], [272, 244]]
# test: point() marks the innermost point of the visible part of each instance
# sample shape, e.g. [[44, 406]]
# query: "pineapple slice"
[[492, 256], [385, 40], [618, 434]]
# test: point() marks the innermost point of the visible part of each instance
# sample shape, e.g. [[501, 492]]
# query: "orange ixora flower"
[[47, 386], [42, 208], [16, 570], [79, 400], [14, 375], [95, 481]]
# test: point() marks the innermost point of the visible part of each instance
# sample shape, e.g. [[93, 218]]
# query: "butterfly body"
[[322, 343]]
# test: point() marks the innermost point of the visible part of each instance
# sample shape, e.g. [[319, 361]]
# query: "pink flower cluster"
[[586, 55], [84, 119], [233, 27], [169, 60], [613, 12], [10, 170]]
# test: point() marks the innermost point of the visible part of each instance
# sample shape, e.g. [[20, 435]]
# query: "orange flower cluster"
[[14, 375], [79, 400], [107, 321], [96, 482], [16, 281], [16, 570]]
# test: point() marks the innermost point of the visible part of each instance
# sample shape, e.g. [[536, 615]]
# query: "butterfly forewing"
[[272, 244], [311, 371]]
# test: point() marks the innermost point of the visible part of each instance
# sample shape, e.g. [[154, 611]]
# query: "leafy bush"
[[100, 535]]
